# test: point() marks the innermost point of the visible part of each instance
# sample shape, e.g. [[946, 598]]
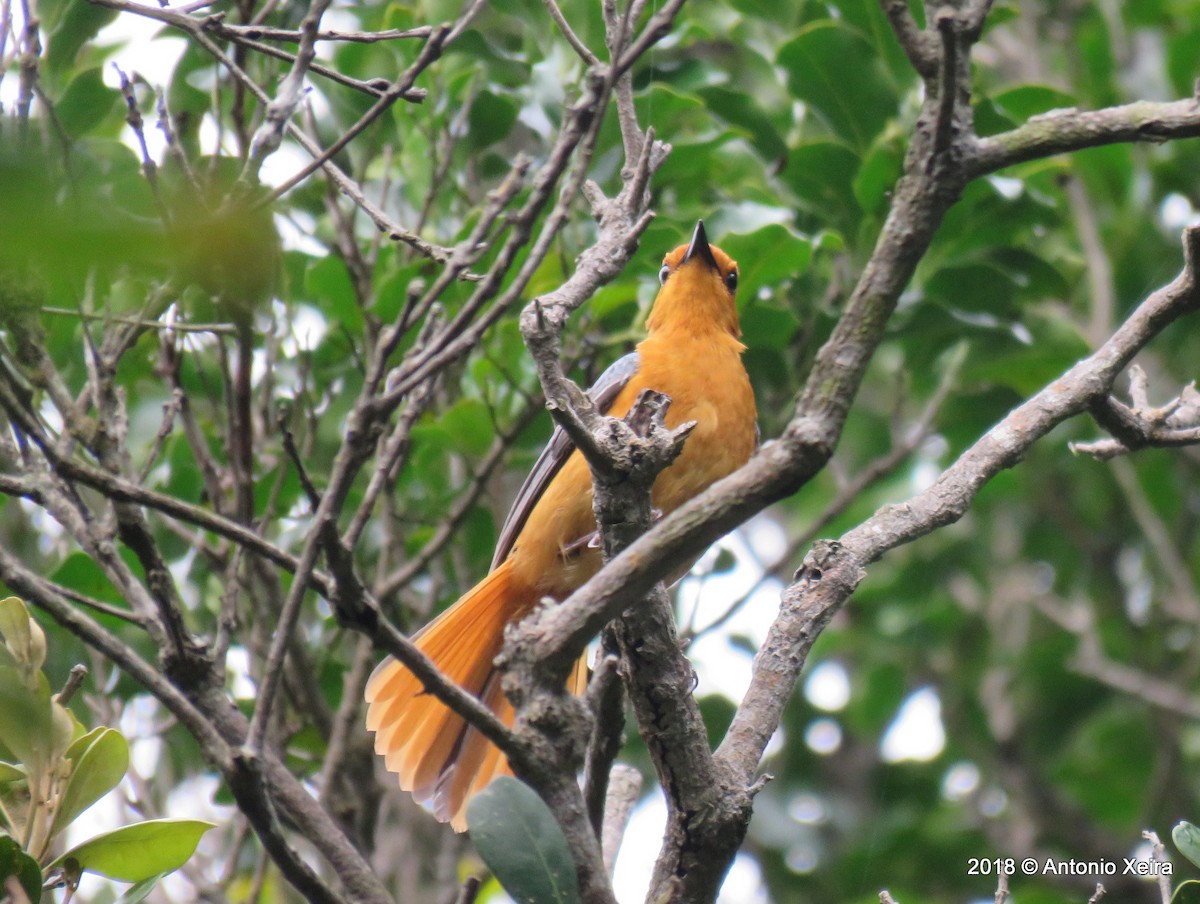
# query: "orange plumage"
[[692, 354]]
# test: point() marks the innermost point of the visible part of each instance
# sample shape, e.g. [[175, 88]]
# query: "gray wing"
[[555, 455]]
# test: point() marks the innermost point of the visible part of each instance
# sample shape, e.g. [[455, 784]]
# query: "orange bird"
[[548, 545]]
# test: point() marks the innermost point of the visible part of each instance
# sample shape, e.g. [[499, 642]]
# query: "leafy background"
[[788, 125]]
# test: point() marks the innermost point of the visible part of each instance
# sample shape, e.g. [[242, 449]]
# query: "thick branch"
[[1061, 131]]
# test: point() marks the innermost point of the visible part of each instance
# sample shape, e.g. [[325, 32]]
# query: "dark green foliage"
[[789, 125], [519, 839]]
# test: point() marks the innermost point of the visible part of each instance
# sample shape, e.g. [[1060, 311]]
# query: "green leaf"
[[1187, 838], [766, 327], [766, 257], [880, 171], [25, 719], [1187, 893], [469, 426], [137, 852], [15, 862], [740, 109], [669, 109], [1026, 101], [80, 572], [1048, 347], [22, 635], [139, 890], [821, 173], [78, 24], [521, 842], [85, 103], [328, 282], [855, 101], [490, 120], [11, 773], [973, 287], [100, 759]]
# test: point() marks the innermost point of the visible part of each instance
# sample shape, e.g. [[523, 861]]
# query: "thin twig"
[[560, 20], [267, 33]]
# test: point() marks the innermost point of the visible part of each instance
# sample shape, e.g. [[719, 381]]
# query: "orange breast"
[[706, 382]]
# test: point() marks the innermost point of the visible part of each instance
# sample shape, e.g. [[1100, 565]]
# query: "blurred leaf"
[[880, 170], [521, 842], [973, 287], [86, 103], [71, 25], [490, 119], [1047, 347], [228, 246], [23, 636], [15, 862], [1027, 101], [741, 109], [25, 718], [856, 103], [821, 174], [328, 282], [766, 257], [137, 852], [1187, 893], [1187, 838], [1088, 756], [766, 327]]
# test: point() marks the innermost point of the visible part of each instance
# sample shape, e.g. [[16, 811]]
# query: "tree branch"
[[833, 569], [1062, 131]]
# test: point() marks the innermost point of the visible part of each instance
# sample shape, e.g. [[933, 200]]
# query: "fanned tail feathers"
[[437, 756]]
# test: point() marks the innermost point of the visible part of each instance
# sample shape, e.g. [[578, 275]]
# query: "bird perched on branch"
[[546, 548]]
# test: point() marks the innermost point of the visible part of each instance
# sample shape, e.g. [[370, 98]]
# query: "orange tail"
[[438, 757]]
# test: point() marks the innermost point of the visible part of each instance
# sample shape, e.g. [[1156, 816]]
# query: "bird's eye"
[[731, 280], [663, 274]]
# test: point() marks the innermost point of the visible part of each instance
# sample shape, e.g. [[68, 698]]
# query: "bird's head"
[[699, 282]]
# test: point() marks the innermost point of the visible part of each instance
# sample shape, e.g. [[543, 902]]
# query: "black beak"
[[699, 247]]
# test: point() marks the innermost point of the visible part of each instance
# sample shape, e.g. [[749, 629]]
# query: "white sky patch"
[[138, 724], [961, 780], [722, 667], [47, 530], [917, 733], [194, 798], [1144, 853], [823, 736], [1007, 187], [144, 46], [766, 538], [802, 858], [151, 50], [807, 808], [1176, 212], [748, 216], [284, 163], [828, 686], [777, 743], [306, 329], [928, 467], [639, 849], [297, 233], [237, 674], [743, 883]]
